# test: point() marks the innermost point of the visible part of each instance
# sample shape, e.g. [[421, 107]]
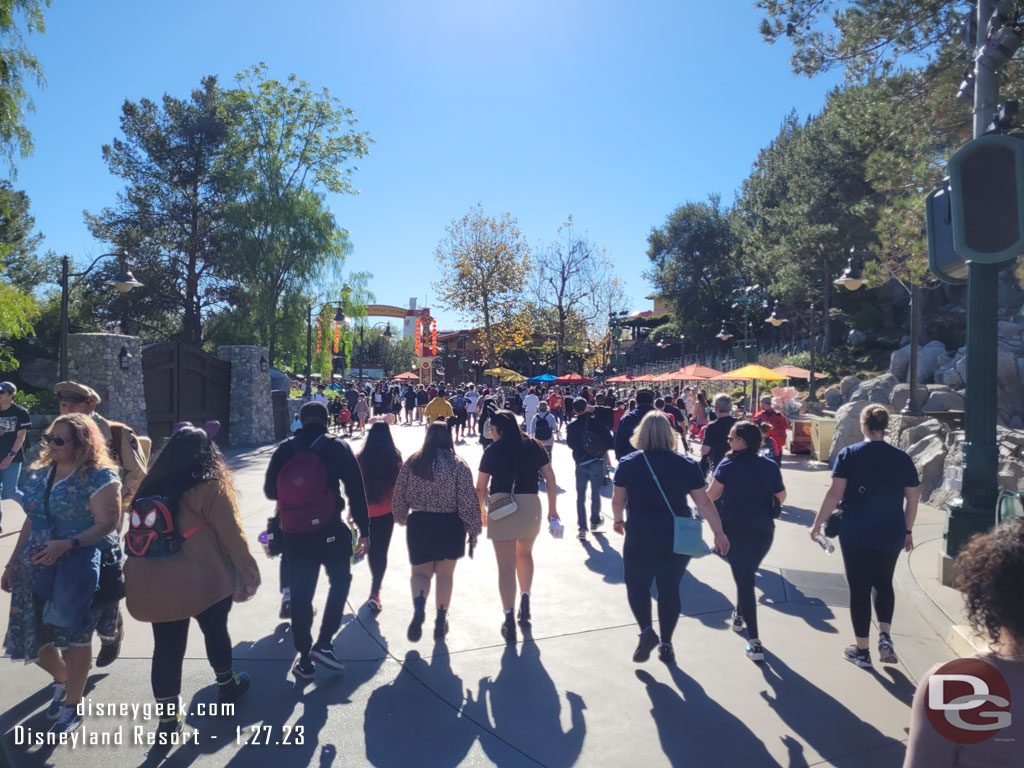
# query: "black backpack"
[[593, 445], [542, 431], [152, 529]]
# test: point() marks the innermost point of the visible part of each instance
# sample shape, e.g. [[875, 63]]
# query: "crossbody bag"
[[687, 538]]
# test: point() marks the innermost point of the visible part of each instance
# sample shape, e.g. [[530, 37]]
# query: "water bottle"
[[556, 528], [825, 544], [265, 543]]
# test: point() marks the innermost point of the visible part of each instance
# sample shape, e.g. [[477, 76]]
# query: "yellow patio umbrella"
[[751, 372], [505, 374]]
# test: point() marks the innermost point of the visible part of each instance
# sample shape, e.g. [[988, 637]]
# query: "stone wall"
[[94, 360], [252, 415]]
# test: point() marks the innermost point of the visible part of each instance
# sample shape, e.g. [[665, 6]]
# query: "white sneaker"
[[755, 652]]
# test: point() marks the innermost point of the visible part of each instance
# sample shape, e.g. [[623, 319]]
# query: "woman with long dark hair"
[[379, 462], [744, 485], [437, 487], [211, 568], [509, 467]]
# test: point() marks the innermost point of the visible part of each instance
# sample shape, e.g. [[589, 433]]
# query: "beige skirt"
[[522, 524]]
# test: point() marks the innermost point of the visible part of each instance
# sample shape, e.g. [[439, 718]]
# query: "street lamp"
[[123, 281], [777, 320], [852, 279], [723, 334], [339, 317], [362, 329]]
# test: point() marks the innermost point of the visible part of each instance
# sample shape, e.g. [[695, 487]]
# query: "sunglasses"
[[59, 442]]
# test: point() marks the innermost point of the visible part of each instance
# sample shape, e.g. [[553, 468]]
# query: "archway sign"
[[408, 316]]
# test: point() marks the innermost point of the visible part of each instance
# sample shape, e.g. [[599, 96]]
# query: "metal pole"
[[811, 396], [360, 355], [913, 408], [309, 351], [65, 269], [974, 511]]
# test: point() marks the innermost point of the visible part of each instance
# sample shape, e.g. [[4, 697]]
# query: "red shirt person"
[[779, 424]]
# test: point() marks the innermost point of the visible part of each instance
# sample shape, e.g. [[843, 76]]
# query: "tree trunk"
[[826, 325]]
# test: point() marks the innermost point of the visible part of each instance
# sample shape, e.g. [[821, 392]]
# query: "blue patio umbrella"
[[542, 379]]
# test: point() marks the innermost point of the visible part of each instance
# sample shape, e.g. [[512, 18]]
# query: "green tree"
[[22, 271], [18, 65], [693, 266], [171, 216], [485, 263], [290, 146]]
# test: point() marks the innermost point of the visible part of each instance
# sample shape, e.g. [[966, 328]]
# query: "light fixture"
[[966, 91], [851, 279], [723, 334], [387, 332], [263, 364], [1000, 47], [124, 280], [125, 358], [339, 316], [775, 319]]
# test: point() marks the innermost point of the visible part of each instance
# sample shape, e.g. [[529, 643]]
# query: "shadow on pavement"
[[526, 707], [822, 721], [418, 718], [797, 515], [813, 610], [606, 561], [703, 602], [695, 730], [898, 684]]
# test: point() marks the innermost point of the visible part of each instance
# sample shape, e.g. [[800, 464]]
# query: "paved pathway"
[[568, 694]]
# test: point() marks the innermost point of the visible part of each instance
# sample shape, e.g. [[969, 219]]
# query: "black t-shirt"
[[716, 437], [422, 397], [12, 421], [750, 482], [351, 397], [500, 463]]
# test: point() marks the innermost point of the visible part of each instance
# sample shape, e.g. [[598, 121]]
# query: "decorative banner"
[[418, 349], [319, 333], [337, 336], [433, 336]]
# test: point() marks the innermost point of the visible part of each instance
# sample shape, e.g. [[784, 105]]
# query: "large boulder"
[[856, 338], [901, 396], [929, 358], [929, 456], [833, 397], [847, 427], [846, 386], [917, 433], [899, 362], [877, 390], [944, 401]]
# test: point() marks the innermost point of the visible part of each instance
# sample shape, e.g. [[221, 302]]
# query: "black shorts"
[[435, 536]]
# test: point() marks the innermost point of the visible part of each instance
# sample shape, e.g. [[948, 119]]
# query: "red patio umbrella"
[[573, 378]]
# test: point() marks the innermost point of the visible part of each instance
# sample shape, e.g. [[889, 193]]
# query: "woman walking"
[[879, 488], [380, 463], [509, 468], [71, 501], [437, 487], [211, 569], [744, 485], [652, 484]]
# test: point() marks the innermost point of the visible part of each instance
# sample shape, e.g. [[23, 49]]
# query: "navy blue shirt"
[[649, 525], [750, 481], [876, 475]]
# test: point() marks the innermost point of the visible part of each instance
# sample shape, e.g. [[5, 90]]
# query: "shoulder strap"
[[46, 497], [658, 483]]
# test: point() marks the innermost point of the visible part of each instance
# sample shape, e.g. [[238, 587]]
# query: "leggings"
[[170, 639], [380, 539], [868, 569], [747, 548], [642, 567]]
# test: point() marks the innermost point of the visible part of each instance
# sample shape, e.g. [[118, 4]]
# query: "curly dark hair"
[[188, 458], [990, 575]]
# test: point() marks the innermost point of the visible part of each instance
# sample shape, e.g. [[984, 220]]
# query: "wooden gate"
[[183, 383]]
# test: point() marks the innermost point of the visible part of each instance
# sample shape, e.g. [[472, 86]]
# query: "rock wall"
[[94, 359], [252, 415]]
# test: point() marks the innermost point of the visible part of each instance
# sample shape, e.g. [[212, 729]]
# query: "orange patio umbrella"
[[792, 372]]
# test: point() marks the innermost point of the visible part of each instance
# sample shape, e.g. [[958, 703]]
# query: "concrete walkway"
[[567, 694]]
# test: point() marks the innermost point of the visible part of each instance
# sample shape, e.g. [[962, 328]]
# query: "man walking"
[[716, 434], [14, 424], [471, 397], [778, 423], [590, 443], [303, 477], [629, 423]]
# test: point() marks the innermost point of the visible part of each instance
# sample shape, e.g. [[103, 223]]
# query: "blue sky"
[[612, 112]]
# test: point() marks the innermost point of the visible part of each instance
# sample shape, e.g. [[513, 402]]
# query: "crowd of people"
[[67, 575]]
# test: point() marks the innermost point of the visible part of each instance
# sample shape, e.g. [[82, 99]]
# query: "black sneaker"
[[648, 640], [859, 656], [596, 525], [110, 651], [666, 654], [234, 688], [325, 655], [582, 535], [886, 652], [304, 669], [508, 629], [286, 608], [524, 609], [419, 615], [168, 726], [738, 624]]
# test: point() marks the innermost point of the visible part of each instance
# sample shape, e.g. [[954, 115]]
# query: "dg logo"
[[968, 701]]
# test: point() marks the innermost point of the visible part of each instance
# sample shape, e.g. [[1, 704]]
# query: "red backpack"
[[305, 500], [151, 529]]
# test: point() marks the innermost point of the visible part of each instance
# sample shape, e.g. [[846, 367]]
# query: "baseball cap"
[[8, 388]]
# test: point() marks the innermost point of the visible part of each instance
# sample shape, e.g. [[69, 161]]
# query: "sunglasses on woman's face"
[[59, 442]]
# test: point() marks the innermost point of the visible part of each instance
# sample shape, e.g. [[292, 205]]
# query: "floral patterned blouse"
[[450, 491], [69, 500]]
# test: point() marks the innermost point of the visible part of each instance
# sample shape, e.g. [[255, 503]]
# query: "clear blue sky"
[[612, 112]]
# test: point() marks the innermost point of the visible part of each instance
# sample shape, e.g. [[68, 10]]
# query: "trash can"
[[800, 440], [822, 431]]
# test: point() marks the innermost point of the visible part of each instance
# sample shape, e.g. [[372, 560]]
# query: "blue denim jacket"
[[69, 587]]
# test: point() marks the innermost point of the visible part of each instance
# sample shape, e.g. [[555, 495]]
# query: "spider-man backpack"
[[151, 529]]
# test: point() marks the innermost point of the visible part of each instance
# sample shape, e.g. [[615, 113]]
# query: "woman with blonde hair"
[[72, 501], [652, 484]]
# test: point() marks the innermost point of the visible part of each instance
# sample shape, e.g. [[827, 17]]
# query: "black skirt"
[[435, 536]]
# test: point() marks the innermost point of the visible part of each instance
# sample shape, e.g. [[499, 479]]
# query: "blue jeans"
[[592, 474], [9, 483]]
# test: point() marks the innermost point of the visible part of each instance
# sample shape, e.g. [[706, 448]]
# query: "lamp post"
[[852, 279], [124, 281], [339, 317], [777, 320], [362, 329]]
